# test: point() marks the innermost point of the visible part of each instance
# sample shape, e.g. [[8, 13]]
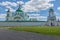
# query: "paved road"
[[18, 35]]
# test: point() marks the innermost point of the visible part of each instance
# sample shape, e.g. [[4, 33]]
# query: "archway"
[[52, 24]]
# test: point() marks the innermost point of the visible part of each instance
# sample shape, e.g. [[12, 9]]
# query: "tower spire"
[[8, 10], [20, 6]]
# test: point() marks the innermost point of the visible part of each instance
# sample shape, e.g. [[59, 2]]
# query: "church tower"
[[51, 20], [7, 16]]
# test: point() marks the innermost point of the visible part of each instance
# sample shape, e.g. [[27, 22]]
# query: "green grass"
[[39, 29]]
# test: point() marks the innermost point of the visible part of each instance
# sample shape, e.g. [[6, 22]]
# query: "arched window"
[[17, 18]]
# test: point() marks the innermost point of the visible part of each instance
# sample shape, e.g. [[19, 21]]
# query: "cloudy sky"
[[34, 8]]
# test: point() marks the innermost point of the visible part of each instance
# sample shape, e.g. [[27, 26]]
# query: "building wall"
[[43, 23], [22, 23], [54, 23]]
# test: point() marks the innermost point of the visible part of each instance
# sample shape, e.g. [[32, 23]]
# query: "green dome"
[[19, 10]]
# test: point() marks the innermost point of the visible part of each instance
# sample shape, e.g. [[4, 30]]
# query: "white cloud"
[[58, 8], [32, 5], [33, 15], [14, 4], [20, 2], [6, 3], [11, 9], [35, 5], [10, 5], [2, 15], [52, 0], [38, 16], [57, 14], [58, 18]]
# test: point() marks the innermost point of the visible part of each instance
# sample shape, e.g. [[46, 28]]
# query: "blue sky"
[[36, 8]]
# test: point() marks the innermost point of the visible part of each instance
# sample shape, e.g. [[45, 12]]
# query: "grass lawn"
[[54, 30]]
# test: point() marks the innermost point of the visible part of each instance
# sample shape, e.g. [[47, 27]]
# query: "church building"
[[18, 15]]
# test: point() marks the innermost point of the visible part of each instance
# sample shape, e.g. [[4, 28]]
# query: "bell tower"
[[51, 18], [7, 16]]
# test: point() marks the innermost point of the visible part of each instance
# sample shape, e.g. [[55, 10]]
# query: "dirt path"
[[18, 35]]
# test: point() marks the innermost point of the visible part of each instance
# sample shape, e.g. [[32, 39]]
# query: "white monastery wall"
[[22, 23]]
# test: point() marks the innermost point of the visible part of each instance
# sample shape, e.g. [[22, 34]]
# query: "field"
[[51, 30]]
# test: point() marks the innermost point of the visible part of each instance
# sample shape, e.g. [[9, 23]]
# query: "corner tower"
[[51, 20]]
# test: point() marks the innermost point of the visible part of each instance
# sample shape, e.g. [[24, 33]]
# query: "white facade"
[[19, 15], [51, 19]]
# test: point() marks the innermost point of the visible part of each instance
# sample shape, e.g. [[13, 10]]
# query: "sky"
[[34, 8]]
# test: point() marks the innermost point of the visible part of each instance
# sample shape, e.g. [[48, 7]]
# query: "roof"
[[51, 9]]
